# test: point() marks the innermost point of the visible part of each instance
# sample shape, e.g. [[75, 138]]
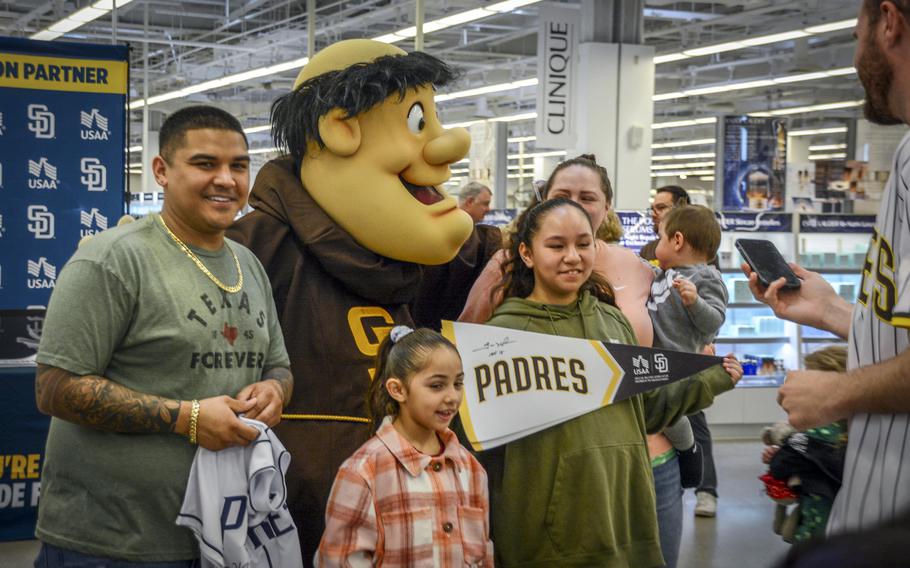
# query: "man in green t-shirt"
[[157, 335]]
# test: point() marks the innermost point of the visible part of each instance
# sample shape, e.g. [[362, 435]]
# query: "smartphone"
[[767, 262]]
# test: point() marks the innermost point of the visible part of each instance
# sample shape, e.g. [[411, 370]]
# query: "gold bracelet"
[[194, 422]]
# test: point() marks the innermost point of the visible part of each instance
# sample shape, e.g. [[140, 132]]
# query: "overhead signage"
[[557, 47], [753, 164], [755, 222]]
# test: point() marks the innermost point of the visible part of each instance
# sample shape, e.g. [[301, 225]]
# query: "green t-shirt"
[[131, 306]]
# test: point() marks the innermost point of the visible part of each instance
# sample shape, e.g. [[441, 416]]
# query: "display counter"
[[833, 245]]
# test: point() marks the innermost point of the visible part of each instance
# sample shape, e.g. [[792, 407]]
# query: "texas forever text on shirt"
[[520, 382]]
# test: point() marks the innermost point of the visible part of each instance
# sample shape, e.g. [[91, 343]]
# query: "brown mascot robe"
[[335, 301], [332, 296]]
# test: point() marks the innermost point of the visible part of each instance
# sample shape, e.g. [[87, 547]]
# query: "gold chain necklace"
[[229, 289]]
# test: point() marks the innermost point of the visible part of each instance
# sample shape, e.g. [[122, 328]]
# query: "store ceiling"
[[188, 43]]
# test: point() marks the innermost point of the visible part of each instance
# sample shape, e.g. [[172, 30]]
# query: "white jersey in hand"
[[235, 503]]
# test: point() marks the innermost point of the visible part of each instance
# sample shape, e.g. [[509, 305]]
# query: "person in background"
[[587, 183], [668, 197], [411, 495], [580, 493], [687, 305], [874, 393], [812, 461], [474, 199]]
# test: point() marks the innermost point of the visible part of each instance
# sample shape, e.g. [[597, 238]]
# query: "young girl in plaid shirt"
[[411, 495]]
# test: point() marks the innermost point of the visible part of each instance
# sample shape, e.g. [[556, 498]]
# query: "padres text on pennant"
[[519, 382]]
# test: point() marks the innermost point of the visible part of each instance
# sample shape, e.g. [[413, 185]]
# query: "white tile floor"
[[740, 536]]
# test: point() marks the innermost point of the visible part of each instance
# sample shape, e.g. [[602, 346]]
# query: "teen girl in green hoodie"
[[580, 493]]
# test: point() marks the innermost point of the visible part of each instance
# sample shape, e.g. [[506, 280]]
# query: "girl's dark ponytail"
[[400, 359]]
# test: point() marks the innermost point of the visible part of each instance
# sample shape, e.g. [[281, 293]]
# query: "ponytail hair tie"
[[399, 332]]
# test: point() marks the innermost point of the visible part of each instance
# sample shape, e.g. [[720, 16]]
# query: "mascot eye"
[[415, 118]]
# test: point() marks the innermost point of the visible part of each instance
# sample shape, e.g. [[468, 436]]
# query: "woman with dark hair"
[[587, 183], [580, 493]]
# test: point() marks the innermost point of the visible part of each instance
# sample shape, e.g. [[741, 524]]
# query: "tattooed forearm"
[[284, 378], [95, 401]]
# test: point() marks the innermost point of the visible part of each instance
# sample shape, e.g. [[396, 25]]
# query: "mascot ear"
[[341, 135]]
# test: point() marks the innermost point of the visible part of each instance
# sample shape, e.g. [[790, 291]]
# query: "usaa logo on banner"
[[93, 222], [41, 121], [42, 274], [94, 125], [42, 174], [94, 174]]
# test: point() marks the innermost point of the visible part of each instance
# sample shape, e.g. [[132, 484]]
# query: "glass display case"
[[766, 345], [834, 246]]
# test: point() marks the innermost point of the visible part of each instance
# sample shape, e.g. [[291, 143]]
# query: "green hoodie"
[[581, 493]]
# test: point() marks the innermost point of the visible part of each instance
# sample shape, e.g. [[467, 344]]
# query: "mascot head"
[[361, 122]]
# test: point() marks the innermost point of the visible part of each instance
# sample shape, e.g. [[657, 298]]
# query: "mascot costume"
[[342, 225]]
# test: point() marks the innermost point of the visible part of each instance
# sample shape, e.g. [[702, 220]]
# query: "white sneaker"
[[705, 504]]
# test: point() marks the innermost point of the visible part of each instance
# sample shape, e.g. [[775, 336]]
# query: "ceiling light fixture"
[[685, 165], [509, 118], [686, 122], [537, 155], [834, 156], [79, 18], [487, 90], [816, 131], [456, 19], [822, 147], [754, 84], [812, 108], [681, 143], [428, 27], [691, 156], [754, 41]]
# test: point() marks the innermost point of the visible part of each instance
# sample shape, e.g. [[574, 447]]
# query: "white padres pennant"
[[519, 382]]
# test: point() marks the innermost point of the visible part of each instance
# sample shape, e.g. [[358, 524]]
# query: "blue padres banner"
[[21, 454], [62, 157]]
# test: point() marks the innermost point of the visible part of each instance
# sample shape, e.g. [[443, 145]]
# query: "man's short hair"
[[172, 135], [355, 90], [697, 224], [471, 190], [680, 195], [873, 10]]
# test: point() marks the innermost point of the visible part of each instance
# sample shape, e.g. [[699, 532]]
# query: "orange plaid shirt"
[[394, 506]]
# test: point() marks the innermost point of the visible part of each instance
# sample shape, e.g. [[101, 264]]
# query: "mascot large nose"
[[449, 147]]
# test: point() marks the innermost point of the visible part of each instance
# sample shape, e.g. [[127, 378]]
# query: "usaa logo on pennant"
[[42, 174], [42, 274], [94, 125]]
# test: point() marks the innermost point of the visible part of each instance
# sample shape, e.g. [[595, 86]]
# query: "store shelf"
[[747, 305], [751, 339], [807, 339]]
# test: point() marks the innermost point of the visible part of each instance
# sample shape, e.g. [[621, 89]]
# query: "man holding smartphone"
[[875, 392]]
